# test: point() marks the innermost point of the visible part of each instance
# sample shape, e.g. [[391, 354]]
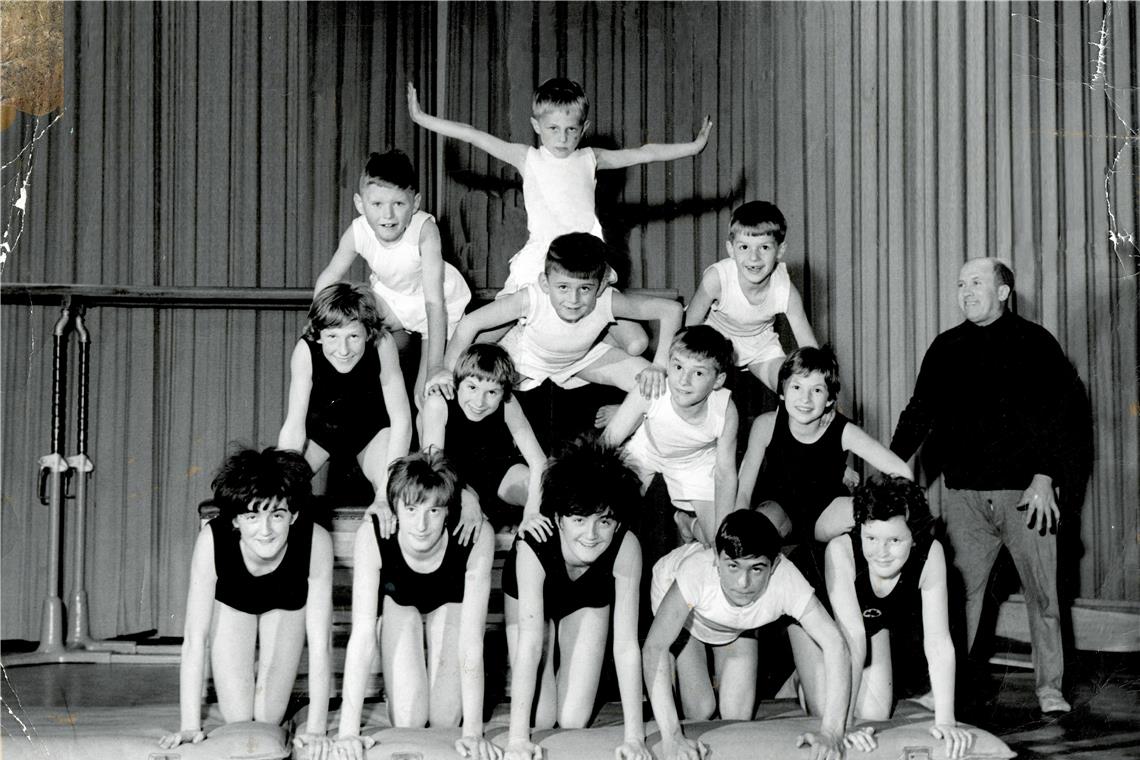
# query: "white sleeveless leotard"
[[398, 275], [749, 326]]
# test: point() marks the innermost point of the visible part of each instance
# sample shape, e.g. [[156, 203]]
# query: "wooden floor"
[[1104, 725]]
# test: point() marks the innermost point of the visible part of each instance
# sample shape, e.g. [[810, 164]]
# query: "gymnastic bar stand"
[[80, 647]]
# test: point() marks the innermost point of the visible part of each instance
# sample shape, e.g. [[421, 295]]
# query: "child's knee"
[[698, 706]]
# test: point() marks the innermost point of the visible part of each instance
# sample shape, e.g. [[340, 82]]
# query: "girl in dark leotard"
[[261, 574], [887, 582], [346, 392], [422, 584], [559, 592], [488, 439]]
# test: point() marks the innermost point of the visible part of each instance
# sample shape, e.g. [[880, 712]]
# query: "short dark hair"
[[747, 533], [487, 361], [704, 342], [807, 359], [425, 476], [391, 168], [578, 254], [587, 477], [340, 303], [882, 497], [759, 217], [249, 476], [559, 92]]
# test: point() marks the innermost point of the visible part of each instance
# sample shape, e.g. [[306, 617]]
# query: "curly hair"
[[885, 496], [589, 477], [249, 477]]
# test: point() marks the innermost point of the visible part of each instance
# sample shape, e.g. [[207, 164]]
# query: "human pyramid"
[[781, 537]]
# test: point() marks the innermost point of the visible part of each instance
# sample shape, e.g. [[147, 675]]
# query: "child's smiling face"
[[805, 397], [478, 398], [388, 209], [343, 345], [572, 297], [756, 254], [560, 130]]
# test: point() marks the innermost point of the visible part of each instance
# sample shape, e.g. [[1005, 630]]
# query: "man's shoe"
[[1052, 701]]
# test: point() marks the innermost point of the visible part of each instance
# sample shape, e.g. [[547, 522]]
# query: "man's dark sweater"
[[993, 399]]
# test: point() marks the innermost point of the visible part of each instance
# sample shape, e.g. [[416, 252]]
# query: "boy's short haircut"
[[759, 217], [885, 496], [704, 342], [807, 359], [1003, 275], [425, 476], [578, 254], [487, 361], [559, 93], [588, 477], [392, 168], [250, 477], [746, 533], [340, 303]]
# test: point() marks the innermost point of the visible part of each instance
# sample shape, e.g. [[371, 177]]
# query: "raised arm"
[[627, 660], [341, 261], [856, 440], [758, 439], [667, 625], [939, 649], [199, 615], [431, 257], [619, 159], [511, 153], [293, 434], [501, 311], [524, 670], [318, 630], [724, 488], [472, 623], [707, 293], [626, 419], [798, 321], [361, 641], [533, 521]]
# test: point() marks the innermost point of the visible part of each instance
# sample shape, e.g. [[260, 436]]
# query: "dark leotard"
[[482, 451], [424, 591], [562, 596], [346, 410], [286, 588]]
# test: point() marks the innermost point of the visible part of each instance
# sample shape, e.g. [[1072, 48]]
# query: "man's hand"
[[651, 381], [823, 746], [1040, 505], [958, 739]]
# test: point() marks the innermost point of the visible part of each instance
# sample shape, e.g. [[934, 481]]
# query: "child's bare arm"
[[856, 440], [318, 630], [626, 650], [338, 267], [511, 153], [431, 257], [798, 321], [724, 488], [647, 308], [836, 661], [626, 419], [758, 439], [668, 622], [364, 634], [293, 434], [433, 422], [472, 624], [619, 159], [707, 293], [501, 311], [527, 443]]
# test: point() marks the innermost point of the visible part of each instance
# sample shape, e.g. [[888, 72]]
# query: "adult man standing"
[[991, 392]]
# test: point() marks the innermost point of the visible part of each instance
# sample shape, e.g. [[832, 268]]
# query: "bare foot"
[[604, 415]]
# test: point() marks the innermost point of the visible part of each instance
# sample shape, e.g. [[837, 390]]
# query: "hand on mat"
[[633, 749], [684, 748], [522, 749], [318, 746], [352, 747], [442, 383], [651, 381], [537, 525], [1040, 505], [477, 748], [384, 515], [189, 736], [862, 738], [470, 521], [823, 746], [958, 740]]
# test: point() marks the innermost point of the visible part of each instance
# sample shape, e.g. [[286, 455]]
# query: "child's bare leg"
[[582, 643], [838, 518], [768, 372], [809, 666], [777, 516], [629, 336], [546, 689], [514, 486], [405, 672], [391, 322], [615, 368], [445, 698], [685, 522], [315, 455], [421, 374], [736, 677], [698, 702], [705, 525], [232, 651], [374, 464], [876, 690], [281, 637]]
